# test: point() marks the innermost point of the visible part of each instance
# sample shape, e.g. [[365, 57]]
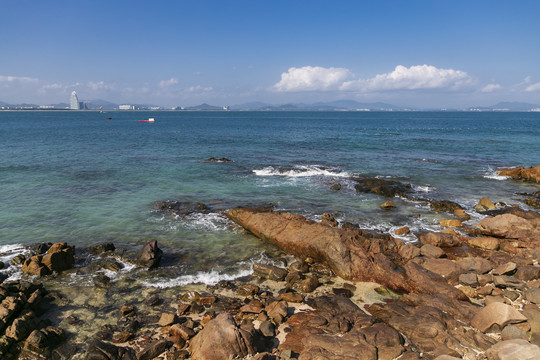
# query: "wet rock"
[[123, 336], [152, 300], [335, 187], [18, 260], [150, 255], [451, 223], [461, 214], [269, 271], [387, 205], [444, 206], [102, 248], [180, 209], [248, 290], [432, 251], [387, 188], [40, 343], [220, 339], [440, 239], [213, 159], [100, 350], [484, 242], [59, 257], [402, 231], [126, 310], [529, 174], [329, 219], [153, 350], [533, 295], [513, 350], [484, 204], [34, 266], [496, 316], [101, 281], [505, 269]]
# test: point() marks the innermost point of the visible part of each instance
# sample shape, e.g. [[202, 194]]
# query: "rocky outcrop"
[[59, 257], [510, 226], [220, 339], [180, 208], [520, 173], [150, 255]]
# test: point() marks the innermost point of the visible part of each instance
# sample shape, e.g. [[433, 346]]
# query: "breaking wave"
[[301, 171]]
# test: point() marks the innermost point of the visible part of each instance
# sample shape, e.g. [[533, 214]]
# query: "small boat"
[[109, 118], [150, 120]]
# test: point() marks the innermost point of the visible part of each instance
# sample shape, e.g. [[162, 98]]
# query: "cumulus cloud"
[[100, 85], [533, 87], [413, 78], [199, 88], [21, 79], [312, 78], [167, 83], [491, 88]]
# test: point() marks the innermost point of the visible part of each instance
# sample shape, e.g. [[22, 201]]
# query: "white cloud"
[[199, 88], [491, 88], [21, 79], [533, 87], [100, 85], [167, 83], [412, 78], [312, 78]]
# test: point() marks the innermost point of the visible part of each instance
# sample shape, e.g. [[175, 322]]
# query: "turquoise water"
[[77, 177]]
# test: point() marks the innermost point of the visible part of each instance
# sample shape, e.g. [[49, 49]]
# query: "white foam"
[[491, 173], [301, 171], [8, 252], [211, 221], [425, 189], [209, 278]]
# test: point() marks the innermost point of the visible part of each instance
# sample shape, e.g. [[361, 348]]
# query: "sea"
[[81, 178]]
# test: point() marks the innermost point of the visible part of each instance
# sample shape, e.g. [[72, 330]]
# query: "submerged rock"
[[180, 208]]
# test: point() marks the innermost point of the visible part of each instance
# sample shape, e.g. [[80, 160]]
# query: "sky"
[[426, 54]]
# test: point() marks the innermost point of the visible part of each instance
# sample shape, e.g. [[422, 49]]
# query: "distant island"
[[337, 105]]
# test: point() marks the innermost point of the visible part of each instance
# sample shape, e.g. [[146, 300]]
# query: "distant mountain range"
[[337, 105]]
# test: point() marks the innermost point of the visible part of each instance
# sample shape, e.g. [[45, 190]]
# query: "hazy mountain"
[[318, 106], [254, 105], [3, 103], [60, 105], [508, 106], [205, 107], [97, 103]]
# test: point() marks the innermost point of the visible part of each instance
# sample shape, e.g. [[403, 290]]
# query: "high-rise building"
[[74, 102]]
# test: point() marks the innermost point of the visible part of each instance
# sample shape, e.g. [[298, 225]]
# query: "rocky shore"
[[340, 292]]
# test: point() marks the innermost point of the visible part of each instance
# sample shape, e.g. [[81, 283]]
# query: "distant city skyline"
[[423, 54]]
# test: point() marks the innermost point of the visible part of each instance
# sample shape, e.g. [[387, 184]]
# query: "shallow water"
[[77, 177]]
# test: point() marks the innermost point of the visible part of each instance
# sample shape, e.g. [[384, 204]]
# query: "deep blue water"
[[77, 177]]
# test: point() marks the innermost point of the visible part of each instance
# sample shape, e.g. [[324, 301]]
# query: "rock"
[[451, 223], [335, 187], [475, 264], [220, 339], [402, 231], [34, 266], [507, 226], [99, 350], [277, 311], [167, 319], [17, 260], [267, 329], [123, 336], [504, 281], [213, 159], [329, 219], [22, 327], [505, 269], [309, 284], [101, 248], [150, 255], [527, 273], [484, 242], [180, 209], [512, 332], [529, 174], [102, 281], [342, 292], [152, 300], [387, 205], [513, 350], [248, 290], [152, 350], [491, 299], [484, 204], [496, 316], [462, 215], [293, 297], [181, 331], [432, 251], [440, 239], [40, 343], [427, 282], [512, 295], [444, 205], [533, 295], [409, 251], [446, 268], [340, 249], [59, 257], [254, 307], [469, 279], [387, 188], [126, 310], [269, 271]]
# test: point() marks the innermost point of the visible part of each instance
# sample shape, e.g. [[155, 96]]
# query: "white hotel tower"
[[74, 102]]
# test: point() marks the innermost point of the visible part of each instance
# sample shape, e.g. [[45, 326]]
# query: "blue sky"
[[416, 53]]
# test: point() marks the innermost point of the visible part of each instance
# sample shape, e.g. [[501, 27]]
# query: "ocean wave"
[[419, 188], [210, 221], [8, 252], [209, 278], [491, 173], [301, 171]]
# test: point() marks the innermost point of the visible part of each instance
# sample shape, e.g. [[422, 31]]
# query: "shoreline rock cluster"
[[470, 292]]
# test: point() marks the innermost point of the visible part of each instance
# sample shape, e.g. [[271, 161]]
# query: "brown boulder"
[[402, 231], [484, 204], [221, 339], [340, 249], [484, 242], [451, 223], [514, 173], [387, 205], [59, 257], [507, 226], [432, 251], [269, 271], [496, 316], [530, 174], [150, 255], [440, 239], [427, 282]]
